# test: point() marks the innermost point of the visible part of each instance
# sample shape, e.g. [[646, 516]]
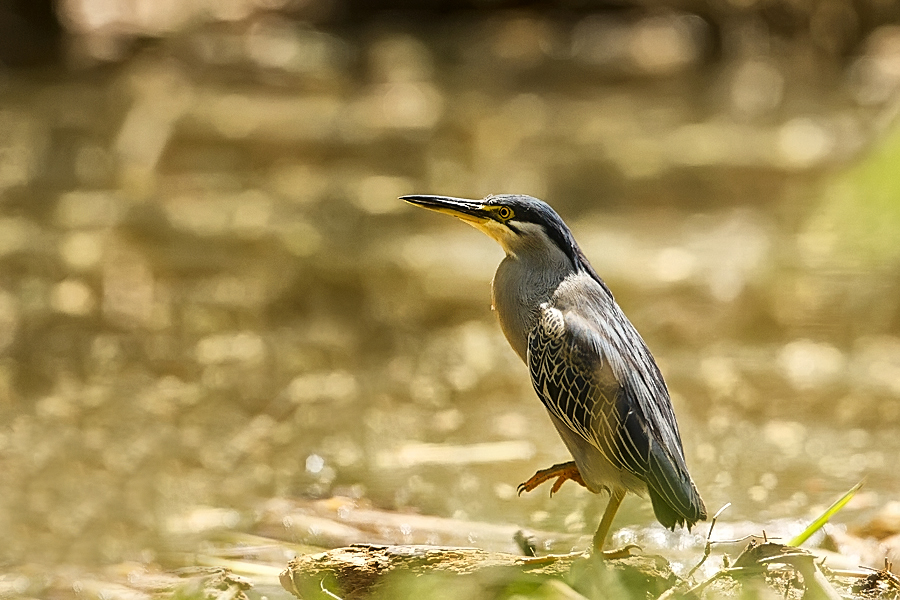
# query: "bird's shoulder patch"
[[552, 322]]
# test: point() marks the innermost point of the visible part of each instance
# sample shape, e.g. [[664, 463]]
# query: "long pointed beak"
[[467, 210]]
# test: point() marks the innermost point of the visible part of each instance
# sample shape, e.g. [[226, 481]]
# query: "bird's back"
[[597, 377]]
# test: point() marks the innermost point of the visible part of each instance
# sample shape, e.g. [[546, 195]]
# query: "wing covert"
[[578, 386], [604, 385]]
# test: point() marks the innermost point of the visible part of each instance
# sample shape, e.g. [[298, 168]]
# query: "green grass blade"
[[825, 516]]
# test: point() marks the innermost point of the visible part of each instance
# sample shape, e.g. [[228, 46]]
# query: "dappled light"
[[216, 315]]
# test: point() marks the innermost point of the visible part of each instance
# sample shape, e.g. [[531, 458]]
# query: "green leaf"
[[825, 516]]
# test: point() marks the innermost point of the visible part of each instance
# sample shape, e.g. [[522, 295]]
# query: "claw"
[[562, 472]]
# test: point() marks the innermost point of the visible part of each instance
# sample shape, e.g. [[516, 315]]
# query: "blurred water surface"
[[210, 295]]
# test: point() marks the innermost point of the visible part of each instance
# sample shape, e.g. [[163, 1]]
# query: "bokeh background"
[[210, 296]]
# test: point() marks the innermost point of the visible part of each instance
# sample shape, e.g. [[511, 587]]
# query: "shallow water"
[[210, 295]]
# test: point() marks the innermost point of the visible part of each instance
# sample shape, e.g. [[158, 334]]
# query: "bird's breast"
[[517, 292]]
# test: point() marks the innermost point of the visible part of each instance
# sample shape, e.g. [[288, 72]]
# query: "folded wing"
[[594, 373]]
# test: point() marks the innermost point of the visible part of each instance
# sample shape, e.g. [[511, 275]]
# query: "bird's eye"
[[505, 213]]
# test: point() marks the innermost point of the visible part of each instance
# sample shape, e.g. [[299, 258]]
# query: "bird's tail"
[[675, 498]]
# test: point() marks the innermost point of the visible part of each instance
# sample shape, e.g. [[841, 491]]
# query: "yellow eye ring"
[[505, 213]]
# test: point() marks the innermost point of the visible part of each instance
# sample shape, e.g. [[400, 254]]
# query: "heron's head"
[[516, 222]]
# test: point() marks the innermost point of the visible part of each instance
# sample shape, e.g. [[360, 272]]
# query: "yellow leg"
[[615, 499]]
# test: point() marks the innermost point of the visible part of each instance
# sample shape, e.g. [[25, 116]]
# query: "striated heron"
[[588, 364]]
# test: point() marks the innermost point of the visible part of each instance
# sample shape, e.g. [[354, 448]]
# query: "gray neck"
[[527, 277]]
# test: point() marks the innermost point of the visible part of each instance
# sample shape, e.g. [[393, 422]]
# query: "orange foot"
[[562, 472]]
